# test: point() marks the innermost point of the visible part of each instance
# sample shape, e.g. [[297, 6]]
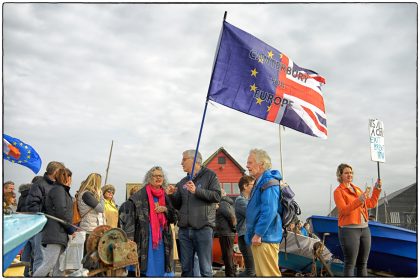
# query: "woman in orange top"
[[353, 229]]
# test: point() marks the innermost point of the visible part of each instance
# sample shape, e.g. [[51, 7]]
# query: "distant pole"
[[109, 161], [329, 213], [207, 101], [385, 209], [281, 155]]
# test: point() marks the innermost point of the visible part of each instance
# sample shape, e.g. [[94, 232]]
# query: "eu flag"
[[257, 79], [27, 156]]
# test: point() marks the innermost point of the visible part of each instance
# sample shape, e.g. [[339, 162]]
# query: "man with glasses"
[[195, 196]]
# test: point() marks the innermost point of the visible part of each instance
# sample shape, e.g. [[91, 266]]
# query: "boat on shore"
[[393, 249], [17, 230], [297, 254]]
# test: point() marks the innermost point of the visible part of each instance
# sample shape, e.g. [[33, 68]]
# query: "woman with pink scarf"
[[153, 215]]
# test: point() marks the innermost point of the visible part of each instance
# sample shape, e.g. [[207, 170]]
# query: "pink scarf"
[[157, 220]]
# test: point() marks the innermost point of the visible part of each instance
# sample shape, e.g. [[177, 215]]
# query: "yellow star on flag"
[[28, 156], [281, 56], [268, 108], [270, 54], [254, 72], [260, 59], [259, 100], [253, 87]]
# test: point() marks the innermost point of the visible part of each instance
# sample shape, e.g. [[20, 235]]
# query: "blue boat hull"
[[393, 249], [17, 230]]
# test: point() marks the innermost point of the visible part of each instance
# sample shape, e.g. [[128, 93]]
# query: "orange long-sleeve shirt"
[[350, 208]]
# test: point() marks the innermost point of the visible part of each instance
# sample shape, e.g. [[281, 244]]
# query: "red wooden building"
[[227, 169]]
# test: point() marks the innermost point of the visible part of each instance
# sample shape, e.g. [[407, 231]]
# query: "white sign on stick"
[[377, 140]]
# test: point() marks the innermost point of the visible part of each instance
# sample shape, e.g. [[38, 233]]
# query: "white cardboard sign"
[[377, 140]]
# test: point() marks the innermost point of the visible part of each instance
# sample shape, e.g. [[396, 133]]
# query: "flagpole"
[[207, 101], [109, 161], [281, 155]]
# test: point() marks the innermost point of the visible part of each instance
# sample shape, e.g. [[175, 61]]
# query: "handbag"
[[76, 214]]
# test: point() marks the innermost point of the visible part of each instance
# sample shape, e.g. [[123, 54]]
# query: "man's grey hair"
[[262, 157], [191, 154], [8, 183], [148, 177]]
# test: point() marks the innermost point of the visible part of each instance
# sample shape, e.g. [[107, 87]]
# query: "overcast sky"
[[77, 76]]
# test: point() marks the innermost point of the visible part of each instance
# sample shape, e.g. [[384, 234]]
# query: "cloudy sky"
[[77, 76]]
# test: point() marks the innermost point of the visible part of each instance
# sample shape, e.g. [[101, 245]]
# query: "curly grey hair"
[[262, 157], [148, 176]]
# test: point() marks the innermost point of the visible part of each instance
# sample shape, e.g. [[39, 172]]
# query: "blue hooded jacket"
[[262, 215]]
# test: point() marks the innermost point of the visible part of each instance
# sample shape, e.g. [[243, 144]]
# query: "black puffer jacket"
[[58, 203], [198, 210], [37, 194], [141, 234], [126, 218], [225, 218], [22, 207]]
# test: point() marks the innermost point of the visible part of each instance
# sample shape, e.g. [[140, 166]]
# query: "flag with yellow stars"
[[18, 152], [257, 79]]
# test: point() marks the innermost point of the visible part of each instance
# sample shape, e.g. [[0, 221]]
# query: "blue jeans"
[[26, 256], [37, 251], [198, 241]]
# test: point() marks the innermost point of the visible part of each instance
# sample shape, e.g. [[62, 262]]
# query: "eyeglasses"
[[157, 176], [110, 192]]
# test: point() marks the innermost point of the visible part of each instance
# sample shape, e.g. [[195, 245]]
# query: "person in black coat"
[[23, 190], [226, 228], [59, 204]]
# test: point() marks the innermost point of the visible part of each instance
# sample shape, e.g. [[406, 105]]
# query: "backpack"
[[289, 210]]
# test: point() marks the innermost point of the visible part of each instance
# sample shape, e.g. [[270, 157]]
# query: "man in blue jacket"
[[263, 221]]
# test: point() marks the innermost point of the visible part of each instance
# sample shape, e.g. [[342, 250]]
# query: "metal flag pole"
[[207, 101], [109, 161], [281, 155]]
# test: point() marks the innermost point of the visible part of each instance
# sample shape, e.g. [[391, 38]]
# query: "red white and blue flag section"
[[257, 79]]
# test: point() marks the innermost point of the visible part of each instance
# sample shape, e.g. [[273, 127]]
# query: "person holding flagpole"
[[263, 221], [353, 229], [195, 196]]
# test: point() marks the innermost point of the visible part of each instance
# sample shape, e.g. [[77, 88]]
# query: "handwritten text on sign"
[[377, 140]]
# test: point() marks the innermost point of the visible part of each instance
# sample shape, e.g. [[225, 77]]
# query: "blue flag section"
[[26, 155], [256, 79]]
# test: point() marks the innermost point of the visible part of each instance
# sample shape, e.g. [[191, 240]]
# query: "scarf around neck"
[[157, 220]]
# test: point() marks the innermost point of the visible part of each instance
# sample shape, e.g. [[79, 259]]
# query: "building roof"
[[395, 194], [221, 149]]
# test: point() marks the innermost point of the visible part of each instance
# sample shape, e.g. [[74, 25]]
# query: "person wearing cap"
[[111, 209]]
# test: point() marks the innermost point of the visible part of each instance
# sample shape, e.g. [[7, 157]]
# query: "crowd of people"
[[196, 206]]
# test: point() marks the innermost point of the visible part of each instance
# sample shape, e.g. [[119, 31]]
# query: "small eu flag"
[[18, 152]]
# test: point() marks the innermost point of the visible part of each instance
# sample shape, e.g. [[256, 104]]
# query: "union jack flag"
[[257, 79]]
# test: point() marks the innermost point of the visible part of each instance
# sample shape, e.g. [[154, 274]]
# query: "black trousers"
[[355, 243], [226, 244], [248, 258]]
